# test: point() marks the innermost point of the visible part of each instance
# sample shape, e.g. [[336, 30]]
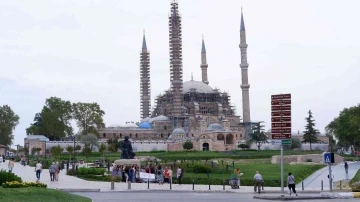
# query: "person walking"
[[52, 170], [346, 165], [179, 174], [11, 165], [38, 169], [160, 175], [170, 173], [291, 183], [257, 181], [57, 171], [237, 175]]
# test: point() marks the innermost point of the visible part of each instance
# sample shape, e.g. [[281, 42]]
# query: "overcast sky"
[[88, 51]]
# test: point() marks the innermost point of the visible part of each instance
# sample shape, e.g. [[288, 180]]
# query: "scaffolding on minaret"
[[145, 98]]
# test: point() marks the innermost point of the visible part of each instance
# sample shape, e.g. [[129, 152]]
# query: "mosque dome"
[[177, 134], [126, 125], [215, 127], [199, 86], [145, 125]]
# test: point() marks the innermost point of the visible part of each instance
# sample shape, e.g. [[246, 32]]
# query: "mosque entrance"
[[205, 147]]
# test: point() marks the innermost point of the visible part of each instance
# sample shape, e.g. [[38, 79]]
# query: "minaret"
[[245, 86], [176, 77], [204, 64], [145, 99]]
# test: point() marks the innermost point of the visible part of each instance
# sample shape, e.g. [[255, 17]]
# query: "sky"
[[88, 51]]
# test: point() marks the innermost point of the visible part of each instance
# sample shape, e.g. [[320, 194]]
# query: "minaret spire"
[[204, 64], [145, 98], [176, 74], [245, 86]]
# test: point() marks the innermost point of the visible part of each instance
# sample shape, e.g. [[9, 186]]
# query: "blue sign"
[[327, 157]]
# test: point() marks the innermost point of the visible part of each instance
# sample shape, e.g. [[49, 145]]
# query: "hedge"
[[16, 184], [8, 177]]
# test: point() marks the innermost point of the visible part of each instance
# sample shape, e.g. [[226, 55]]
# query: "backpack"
[[159, 172]]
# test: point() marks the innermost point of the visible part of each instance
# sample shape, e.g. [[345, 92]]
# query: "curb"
[[79, 190], [342, 195], [289, 198]]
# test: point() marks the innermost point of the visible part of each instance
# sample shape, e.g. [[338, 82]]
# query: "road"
[[338, 172], [160, 196]]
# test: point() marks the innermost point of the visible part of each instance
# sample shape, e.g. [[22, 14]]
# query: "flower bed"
[[16, 184]]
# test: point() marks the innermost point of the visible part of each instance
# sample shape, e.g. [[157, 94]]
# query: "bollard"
[[209, 185], [262, 185], [302, 185], [170, 182], [322, 185], [193, 184], [112, 185], [148, 183], [129, 184], [223, 184]]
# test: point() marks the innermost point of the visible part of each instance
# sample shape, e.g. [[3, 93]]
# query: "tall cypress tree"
[[310, 133]]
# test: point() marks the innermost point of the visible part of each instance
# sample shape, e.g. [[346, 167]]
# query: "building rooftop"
[[37, 137]]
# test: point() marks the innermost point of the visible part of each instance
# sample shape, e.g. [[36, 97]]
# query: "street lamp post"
[[74, 154]]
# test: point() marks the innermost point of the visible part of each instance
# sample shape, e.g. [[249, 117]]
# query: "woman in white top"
[[291, 183]]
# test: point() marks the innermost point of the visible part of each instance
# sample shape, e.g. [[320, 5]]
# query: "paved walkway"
[[338, 172], [27, 173]]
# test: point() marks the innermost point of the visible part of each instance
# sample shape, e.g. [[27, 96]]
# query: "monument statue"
[[126, 149]]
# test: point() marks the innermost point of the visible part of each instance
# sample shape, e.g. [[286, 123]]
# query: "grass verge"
[[34, 194]]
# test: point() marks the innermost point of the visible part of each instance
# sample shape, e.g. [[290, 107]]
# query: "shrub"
[[243, 146], [8, 177], [201, 168], [309, 160], [86, 171], [103, 178], [188, 145], [16, 184]]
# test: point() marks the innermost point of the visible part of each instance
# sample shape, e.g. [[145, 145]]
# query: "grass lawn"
[[356, 177], [33, 194], [267, 170]]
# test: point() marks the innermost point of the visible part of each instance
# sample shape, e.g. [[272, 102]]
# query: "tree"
[[8, 121], [36, 150], [89, 139], [86, 151], [70, 150], [102, 150], [89, 117], [25, 149], [257, 135], [77, 147], [346, 128], [54, 119], [56, 151], [310, 133], [114, 144], [295, 144], [188, 145]]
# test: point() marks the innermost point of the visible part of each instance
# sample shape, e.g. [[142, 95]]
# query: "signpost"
[[329, 159], [281, 125]]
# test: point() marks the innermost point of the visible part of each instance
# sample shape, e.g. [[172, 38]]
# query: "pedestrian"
[[257, 181], [160, 175], [11, 165], [346, 165], [52, 170], [170, 172], [237, 175], [291, 183], [179, 175], [57, 171], [166, 175], [38, 169]]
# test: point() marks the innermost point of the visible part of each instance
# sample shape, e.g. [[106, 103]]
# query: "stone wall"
[[315, 158]]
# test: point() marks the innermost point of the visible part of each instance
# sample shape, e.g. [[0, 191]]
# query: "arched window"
[[136, 135], [165, 127], [104, 134], [161, 135], [120, 135]]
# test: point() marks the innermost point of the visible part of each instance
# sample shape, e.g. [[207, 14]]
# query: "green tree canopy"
[[54, 120], [257, 135], [346, 128], [310, 133], [188, 145], [8, 121], [89, 117], [90, 139]]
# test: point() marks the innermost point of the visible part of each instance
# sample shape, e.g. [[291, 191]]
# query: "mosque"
[[188, 111]]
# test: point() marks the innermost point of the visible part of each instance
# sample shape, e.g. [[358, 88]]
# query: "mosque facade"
[[188, 111]]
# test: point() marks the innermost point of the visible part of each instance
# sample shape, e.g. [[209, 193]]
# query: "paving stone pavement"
[[69, 183]]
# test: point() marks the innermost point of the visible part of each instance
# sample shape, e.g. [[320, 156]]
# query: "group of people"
[[132, 173], [258, 180], [54, 170]]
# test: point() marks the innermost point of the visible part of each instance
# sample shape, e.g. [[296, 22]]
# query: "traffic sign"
[[281, 136], [281, 130], [286, 142], [281, 125], [276, 142], [280, 102], [281, 96], [281, 113], [280, 107], [327, 157], [280, 119]]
